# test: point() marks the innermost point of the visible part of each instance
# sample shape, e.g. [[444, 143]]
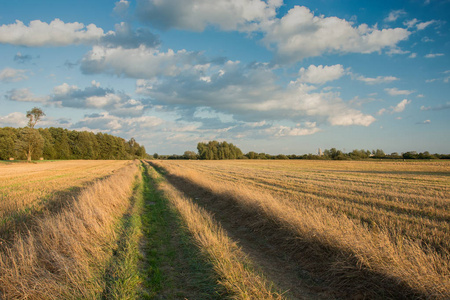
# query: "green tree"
[[8, 135], [30, 140], [190, 155], [34, 115], [29, 143]]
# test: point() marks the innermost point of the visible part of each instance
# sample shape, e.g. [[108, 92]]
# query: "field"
[[237, 229], [365, 228]]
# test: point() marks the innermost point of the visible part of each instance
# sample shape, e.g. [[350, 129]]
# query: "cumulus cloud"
[[114, 124], [417, 24], [321, 74], [55, 33], [96, 97], [376, 80], [249, 94], [121, 7], [25, 95], [58, 33], [12, 75], [142, 62], [300, 34], [198, 14], [280, 131], [423, 25], [400, 106], [397, 92], [426, 122], [125, 37], [15, 119], [394, 15]]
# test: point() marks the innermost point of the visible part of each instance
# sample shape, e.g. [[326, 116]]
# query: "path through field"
[[262, 247], [336, 256]]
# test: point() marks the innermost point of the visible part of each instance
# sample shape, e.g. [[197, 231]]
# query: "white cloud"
[[121, 7], [423, 25], [198, 14], [411, 23], [433, 55], [96, 97], [400, 106], [413, 55], [250, 95], [58, 33], [114, 124], [419, 25], [12, 75], [55, 33], [142, 62], [397, 92], [381, 111], [394, 15], [280, 131], [300, 34], [15, 119], [376, 80], [321, 74], [25, 95]]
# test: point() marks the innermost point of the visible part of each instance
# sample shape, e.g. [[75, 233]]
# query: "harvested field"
[[64, 254], [378, 229], [26, 189]]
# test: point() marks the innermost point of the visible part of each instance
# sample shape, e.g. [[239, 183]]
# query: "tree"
[[30, 143], [34, 116], [30, 140], [190, 155]]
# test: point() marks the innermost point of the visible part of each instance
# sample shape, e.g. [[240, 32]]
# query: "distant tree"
[[29, 143], [30, 140], [190, 155], [34, 115], [8, 136], [217, 150], [155, 156]]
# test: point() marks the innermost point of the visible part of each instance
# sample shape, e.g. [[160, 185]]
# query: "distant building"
[[319, 152]]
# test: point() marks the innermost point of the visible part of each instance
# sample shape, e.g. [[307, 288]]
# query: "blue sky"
[[269, 76]]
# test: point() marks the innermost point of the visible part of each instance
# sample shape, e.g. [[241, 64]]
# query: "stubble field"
[[237, 229], [368, 228]]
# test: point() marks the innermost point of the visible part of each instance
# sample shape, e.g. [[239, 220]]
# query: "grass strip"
[[173, 267], [122, 277], [236, 272]]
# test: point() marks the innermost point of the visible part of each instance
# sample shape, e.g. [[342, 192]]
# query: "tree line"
[[214, 150], [59, 143]]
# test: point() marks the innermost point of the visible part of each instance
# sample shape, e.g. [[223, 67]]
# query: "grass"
[[237, 273], [27, 188], [386, 219], [65, 254], [173, 266]]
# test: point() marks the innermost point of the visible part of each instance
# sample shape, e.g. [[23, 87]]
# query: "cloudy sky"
[[271, 76]]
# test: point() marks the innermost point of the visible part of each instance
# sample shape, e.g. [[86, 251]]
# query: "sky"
[[269, 76]]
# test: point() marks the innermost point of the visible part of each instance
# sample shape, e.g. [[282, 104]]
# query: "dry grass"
[[234, 268], [65, 254], [391, 218], [25, 187]]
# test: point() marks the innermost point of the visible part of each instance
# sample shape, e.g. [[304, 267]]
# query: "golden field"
[[236, 229], [390, 219], [63, 254], [25, 186]]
